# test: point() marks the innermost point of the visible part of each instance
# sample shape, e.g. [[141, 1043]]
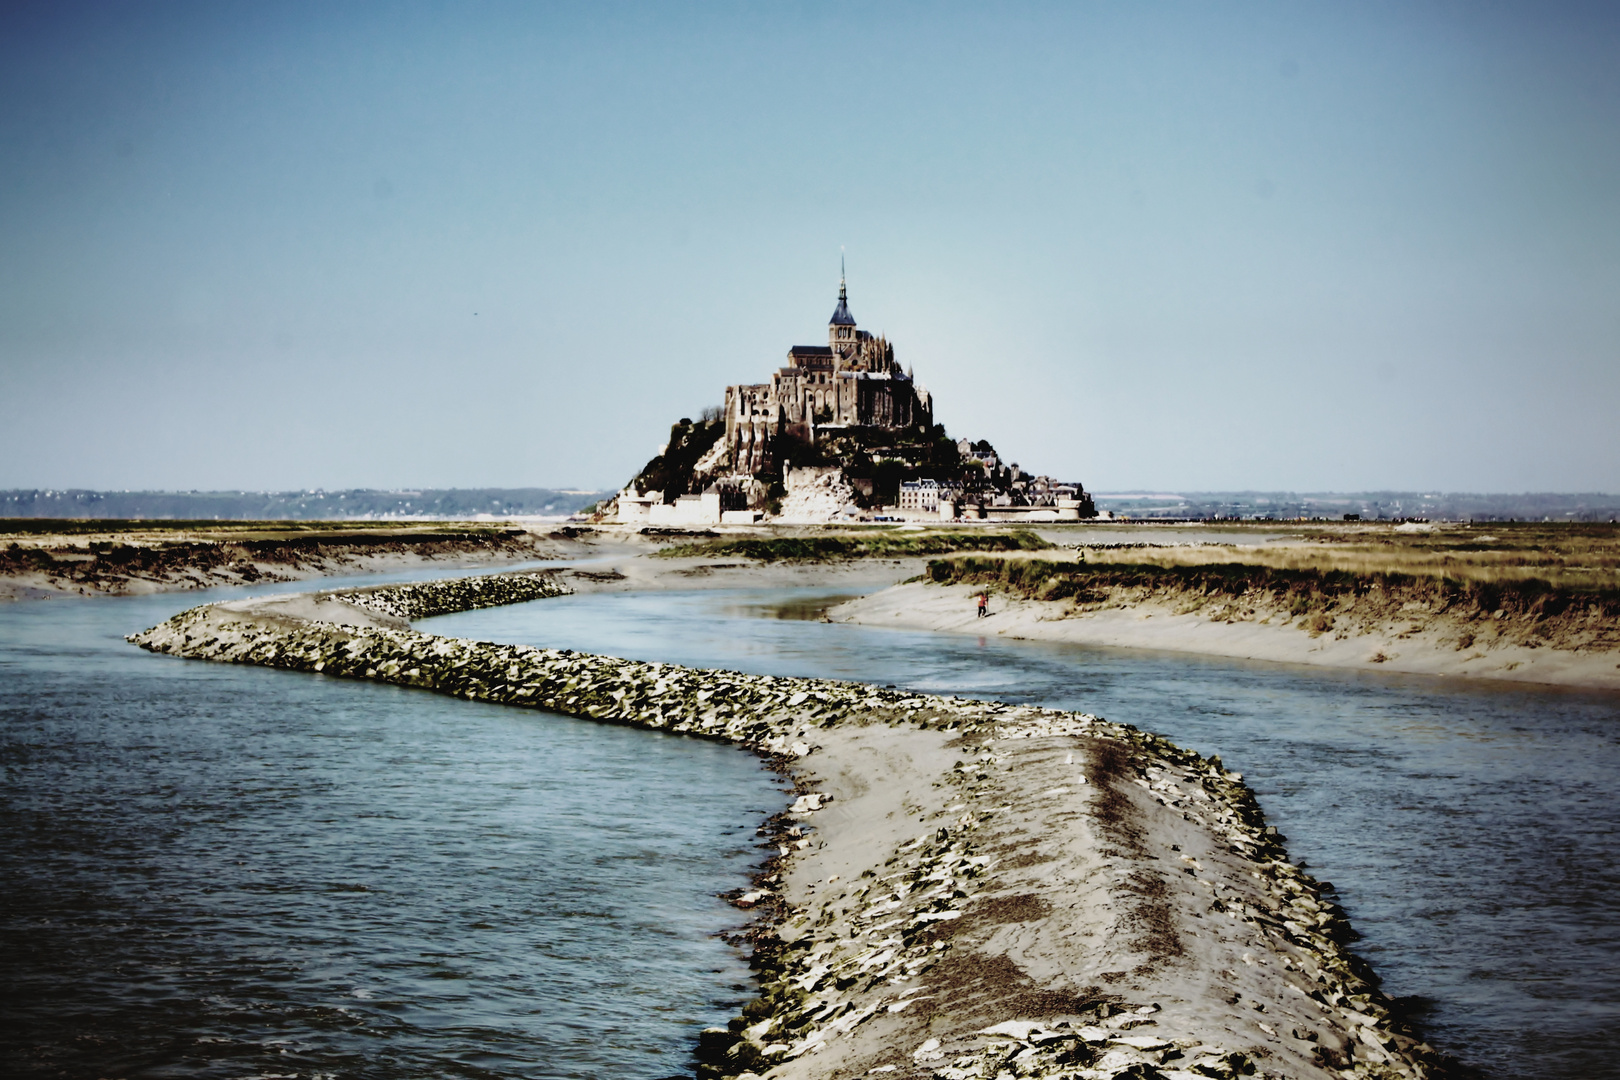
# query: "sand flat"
[[1149, 625]]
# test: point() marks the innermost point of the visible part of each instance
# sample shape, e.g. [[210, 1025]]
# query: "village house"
[[926, 497]]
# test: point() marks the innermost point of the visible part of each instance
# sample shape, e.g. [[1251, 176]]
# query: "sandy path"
[[1114, 923]]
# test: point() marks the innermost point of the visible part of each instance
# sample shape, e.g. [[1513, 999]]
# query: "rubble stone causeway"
[[825, 973]]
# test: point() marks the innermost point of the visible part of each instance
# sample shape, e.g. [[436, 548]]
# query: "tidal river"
[[223, 871], [1473, 832], [220, 871]]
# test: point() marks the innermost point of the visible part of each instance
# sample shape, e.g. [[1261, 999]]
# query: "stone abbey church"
[[852, 381]]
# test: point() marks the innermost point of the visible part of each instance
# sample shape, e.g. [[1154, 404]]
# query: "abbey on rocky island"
[[841, 432]]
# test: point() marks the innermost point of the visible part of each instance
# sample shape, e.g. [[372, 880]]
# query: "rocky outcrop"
[[817, 494], [424, 599], [1018, 892]]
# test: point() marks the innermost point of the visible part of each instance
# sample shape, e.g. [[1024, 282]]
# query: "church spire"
[[841, 315]]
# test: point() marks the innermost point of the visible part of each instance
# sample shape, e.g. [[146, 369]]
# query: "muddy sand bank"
[[138, 558], [1479, 649], [1390, 637]]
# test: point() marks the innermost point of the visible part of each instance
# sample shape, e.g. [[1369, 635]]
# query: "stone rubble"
[[825, 971], [424, 599]]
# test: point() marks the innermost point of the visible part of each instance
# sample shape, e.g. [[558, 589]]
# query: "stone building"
[[927, 496], [851, 382]]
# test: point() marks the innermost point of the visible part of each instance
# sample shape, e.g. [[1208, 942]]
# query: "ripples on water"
[[212, 870], [1472, 830], [229, 871]]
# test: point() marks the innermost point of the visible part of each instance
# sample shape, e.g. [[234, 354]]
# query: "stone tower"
[[841, 327]]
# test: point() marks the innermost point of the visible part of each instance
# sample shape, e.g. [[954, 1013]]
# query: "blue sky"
[[1198, 246]]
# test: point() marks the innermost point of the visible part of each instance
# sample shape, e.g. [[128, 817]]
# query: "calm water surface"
[[210, 870], [1473, 832]]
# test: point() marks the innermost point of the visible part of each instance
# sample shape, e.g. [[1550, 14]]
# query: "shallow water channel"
[[218, 871], [1473, 831], [211, 870]]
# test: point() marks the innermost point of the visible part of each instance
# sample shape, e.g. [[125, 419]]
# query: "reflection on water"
[[1471, 830], [811, 608]]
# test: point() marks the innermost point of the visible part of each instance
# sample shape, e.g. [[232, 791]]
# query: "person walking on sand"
[[984, 604]]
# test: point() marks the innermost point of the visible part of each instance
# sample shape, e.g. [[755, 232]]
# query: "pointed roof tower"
[[841, 315]]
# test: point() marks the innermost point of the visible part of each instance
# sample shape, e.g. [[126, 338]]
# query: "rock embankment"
[[962, 889], [424, 599]]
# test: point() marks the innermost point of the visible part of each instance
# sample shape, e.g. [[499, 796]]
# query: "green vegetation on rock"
[[671, 471], [883, 545]]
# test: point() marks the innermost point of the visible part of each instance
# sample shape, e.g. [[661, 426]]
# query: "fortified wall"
[[851, 382]]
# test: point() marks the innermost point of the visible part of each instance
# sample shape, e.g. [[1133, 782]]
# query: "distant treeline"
[[296, 505], [1369, 505]]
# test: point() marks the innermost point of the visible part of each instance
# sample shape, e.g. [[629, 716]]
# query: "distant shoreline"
[[1370, 630], [138, 557], [307, 504]]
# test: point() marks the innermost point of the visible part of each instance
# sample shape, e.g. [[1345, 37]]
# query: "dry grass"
[[107, 556], [1580, 558], [1555, 586]]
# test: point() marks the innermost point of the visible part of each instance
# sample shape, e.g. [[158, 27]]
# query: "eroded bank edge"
[[810, 980]]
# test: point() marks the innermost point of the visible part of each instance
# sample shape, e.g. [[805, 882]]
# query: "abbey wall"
[[853, 381]]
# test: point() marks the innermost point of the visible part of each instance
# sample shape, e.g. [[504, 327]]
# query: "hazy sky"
[[1198, 246]]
